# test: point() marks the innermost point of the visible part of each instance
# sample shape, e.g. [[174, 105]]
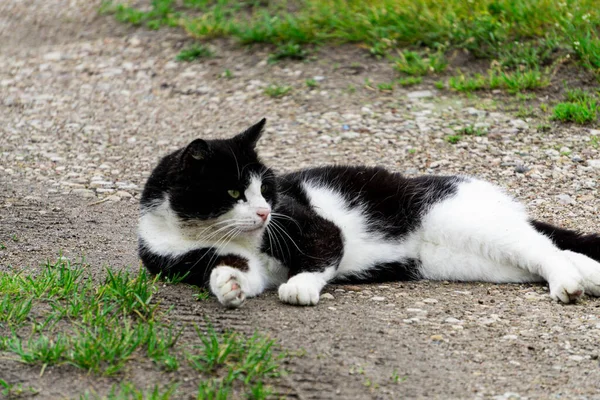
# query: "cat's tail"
[[565, 239]]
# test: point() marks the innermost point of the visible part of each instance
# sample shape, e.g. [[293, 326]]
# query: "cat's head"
[[221, 183]]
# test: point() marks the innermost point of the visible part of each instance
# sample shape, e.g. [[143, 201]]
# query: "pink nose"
[[263, 213]]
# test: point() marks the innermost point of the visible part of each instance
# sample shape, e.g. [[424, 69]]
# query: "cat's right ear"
[[196, 151]]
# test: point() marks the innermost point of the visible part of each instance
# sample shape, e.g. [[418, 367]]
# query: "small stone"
[[113, 198], [565, 199], [105, 191], [85, 193], [378, 298], [510, 337], [420, 94], [332, 308], [123, 194], [319, 78], [453, 321], [350, 135], [351, 288], [521, 169], [437, 338], [327, 296], [576, 358], [552, 153], [594, 163], [519, 124], [577, 159], [430, 301], [101, 184], [54, 56]]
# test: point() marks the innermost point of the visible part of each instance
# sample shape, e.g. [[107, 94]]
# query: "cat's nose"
[[263, 213]]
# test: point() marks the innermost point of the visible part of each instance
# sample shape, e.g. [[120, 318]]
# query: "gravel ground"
[[88, 106]]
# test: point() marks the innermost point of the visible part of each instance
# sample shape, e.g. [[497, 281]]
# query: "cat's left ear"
[[251, 135]]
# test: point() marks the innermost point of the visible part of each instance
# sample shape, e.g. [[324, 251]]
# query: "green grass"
[[386, 86], [60, 317], [521, 40], [277, 91], [580, 112], [580, 107], [290, 51], [194, 52], [413, 64], [453, 139], [410, 80], [311, 83]]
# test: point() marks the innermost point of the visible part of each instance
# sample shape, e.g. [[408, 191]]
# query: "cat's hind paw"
[[589, 270], [567, 288], [300, 290], [227, 284]]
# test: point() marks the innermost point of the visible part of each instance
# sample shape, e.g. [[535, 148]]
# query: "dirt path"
[[87, 106]]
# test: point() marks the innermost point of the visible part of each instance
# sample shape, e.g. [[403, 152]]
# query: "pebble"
[[378, 298], [453, 321], [430, 301], [576, 358], [327, 296], [519, 124], [594, 164], [565, 199], [85, 193], [420, 94]]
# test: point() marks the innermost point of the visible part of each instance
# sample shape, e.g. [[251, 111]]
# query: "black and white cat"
[[212, 212]]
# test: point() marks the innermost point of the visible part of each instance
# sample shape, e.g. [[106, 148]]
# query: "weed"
[[525, 112], [351, 89], [11, 391], [471, 130], [453, 139], [290, 51], [396, 378], [227, 74], [463, 83], [127, 390], [580, 113], [440, 85], [524, 80], [194, 52], [595, 141], [411, 63], [2, 246], [202, 295], [277, 91], [385, 87], [410, 80], [543, 128], [311, 83]]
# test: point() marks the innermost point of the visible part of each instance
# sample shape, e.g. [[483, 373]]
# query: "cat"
[[214, 215]]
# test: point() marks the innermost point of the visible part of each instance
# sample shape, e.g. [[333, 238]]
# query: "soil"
[[398, 340]]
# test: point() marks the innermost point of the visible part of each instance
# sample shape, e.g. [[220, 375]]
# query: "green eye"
[[263, 188], [234, 193]]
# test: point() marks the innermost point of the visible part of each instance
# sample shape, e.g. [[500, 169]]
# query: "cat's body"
[[214, 212]]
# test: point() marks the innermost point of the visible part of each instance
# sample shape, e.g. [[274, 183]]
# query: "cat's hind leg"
[[482, 221]]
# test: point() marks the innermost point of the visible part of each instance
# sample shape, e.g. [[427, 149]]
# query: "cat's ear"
[[251, 135], [198, 150]]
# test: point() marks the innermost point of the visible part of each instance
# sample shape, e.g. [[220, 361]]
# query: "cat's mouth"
[[253, 227]]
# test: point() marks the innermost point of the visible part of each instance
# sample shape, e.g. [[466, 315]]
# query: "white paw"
[[589, 270], [228, 285], [300, 290], [566, 287]]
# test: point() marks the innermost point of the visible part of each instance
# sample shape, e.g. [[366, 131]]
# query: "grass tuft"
[[277, 91], [194, 52]]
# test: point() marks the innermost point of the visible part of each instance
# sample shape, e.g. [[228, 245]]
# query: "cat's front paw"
[[228, 285], [566, 287], [299, 291]]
